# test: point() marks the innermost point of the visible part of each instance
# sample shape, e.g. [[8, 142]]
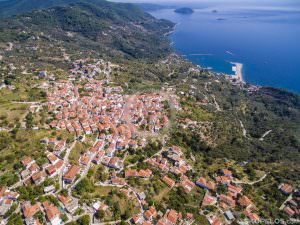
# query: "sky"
[[189, 2]]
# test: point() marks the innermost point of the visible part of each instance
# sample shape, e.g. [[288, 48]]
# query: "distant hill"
[[184, 10], [110, 28], [16, 7]]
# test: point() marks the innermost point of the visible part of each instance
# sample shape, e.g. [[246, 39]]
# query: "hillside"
[[107, 28], [125, 34], [93, 89], [16, 7]]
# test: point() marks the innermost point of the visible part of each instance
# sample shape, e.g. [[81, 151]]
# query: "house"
[[244, 201], [189, 216], [163, 221], [49, 189], [223, 179], [38, 177], [97, 159], [70, 204], [25, 174], [226, 173], [286, 188], [150, 214], [131, 173], [208, 200], [105, 160], [52, 141], [141, 195], [7, 194], [52, 158], [70, 175], [168, 181], [235, 190], [209, 185], [52, 213], [290, 212], [34, 167], [227, 199], [186, 184], [132, 144], [126, 192], [30, 210], [229, 215], [5, 205], [27, 161], [53, 170], [59, 147], [115, 163], [252, 216], [145, 173], [99, 206], [137, 219], [84, 160], [118, 181], [214, 221], [172, 216], [146, 223]]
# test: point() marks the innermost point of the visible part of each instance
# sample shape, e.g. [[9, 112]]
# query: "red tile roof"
[[245, 201], [30, 210], [168, 181], [71, 173]]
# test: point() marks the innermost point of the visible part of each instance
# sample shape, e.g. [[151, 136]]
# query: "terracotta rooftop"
[[71, 173]]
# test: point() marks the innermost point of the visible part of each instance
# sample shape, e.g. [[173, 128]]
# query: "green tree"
[[84, 220], [100, 214], [29, 120], [15, 219]]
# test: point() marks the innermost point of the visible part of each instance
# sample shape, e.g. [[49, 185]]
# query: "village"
[[91, 108]]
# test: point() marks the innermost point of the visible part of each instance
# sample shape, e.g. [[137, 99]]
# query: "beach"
[[237, 68]]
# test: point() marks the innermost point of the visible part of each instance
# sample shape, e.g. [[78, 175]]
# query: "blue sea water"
[[265, 38]]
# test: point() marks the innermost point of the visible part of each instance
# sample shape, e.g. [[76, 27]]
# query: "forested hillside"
[[67, 64]]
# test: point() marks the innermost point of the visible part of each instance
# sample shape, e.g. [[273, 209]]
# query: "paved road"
[[66, 162]]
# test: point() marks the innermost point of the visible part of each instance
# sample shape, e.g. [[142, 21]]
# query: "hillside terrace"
[[97, 110]]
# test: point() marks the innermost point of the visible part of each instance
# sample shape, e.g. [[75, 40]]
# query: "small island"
[[184, 10]]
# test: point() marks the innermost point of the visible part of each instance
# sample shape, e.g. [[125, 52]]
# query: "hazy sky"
[[254, 2], [200, 1]]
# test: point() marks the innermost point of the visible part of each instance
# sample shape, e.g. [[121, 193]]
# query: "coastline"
[[237, 77], [237, 68], [172, 30], [261, 71]]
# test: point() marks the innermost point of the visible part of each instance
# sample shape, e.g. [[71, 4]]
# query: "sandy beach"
[[237, 68]]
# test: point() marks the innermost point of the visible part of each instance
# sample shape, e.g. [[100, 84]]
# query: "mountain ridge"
[[89, 73], [94, 21], [15, 7]]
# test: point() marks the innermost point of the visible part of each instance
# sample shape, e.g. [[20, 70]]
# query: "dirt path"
[[252, 182], [265, 134]]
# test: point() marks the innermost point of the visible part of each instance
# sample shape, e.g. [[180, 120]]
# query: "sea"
[[262, 35]]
